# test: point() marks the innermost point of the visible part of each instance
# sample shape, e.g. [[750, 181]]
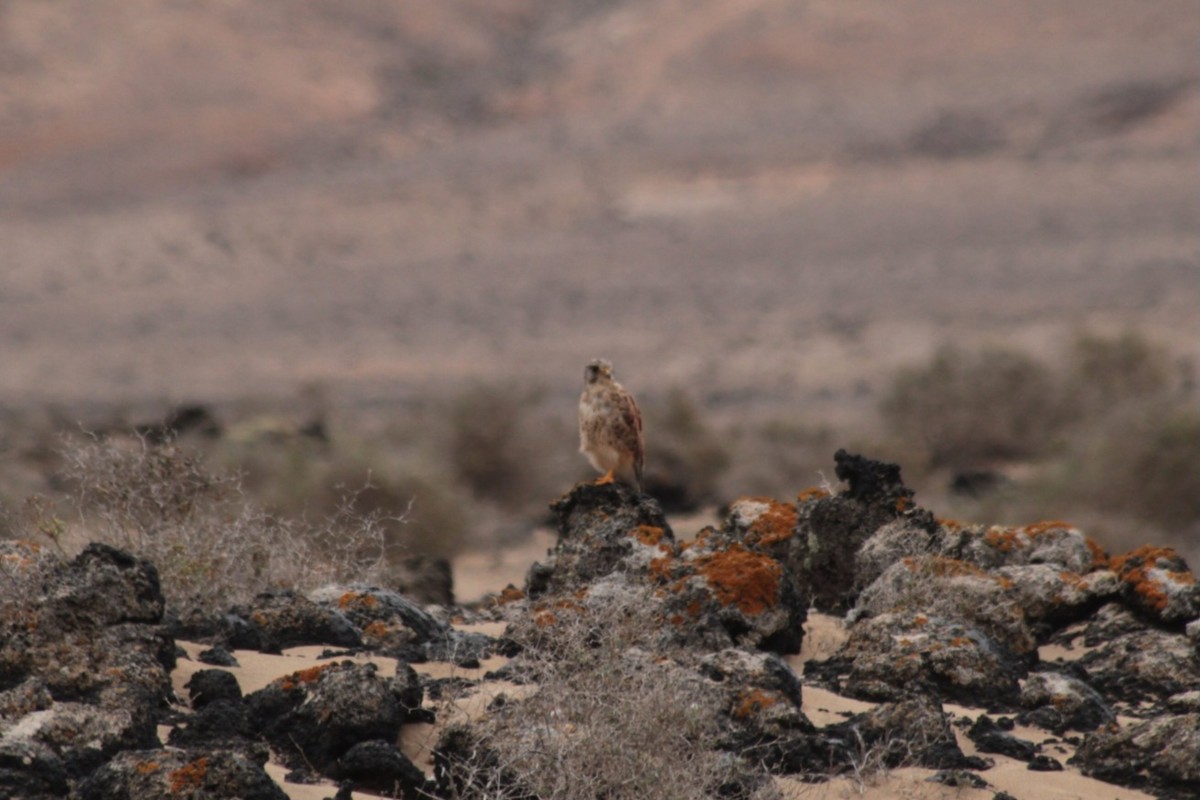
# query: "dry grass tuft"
[[612, 717], [211, 544]]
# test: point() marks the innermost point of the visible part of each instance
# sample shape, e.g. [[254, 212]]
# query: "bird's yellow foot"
[[607, 478]]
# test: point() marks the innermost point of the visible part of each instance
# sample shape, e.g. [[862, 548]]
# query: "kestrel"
[[610, 426]]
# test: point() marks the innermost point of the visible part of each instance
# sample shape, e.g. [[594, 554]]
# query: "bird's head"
[[598, 370]]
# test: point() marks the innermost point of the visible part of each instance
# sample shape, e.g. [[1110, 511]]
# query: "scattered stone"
[[1059, 702], [1044, 763], [1144, 665], [1159, 584], [1161, 753], [376, 765], [990, 738], [959, 779], [312, 717], [277, 620], [911, 732], [209, 685], [171, 774], [832, 529], [897, 655], [601, 529], [1054, 543], [952, 590], [83, 661], [383, 618], [221, 723], [218, 656]]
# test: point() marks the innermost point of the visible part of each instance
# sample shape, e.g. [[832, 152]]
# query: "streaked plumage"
[[610, 426]]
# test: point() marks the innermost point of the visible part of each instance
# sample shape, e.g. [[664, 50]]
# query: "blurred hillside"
[[773, 205]]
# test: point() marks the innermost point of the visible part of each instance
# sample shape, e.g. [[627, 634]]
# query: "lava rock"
[[276, 620], [209, 685], [1143, 665], [1059, 702], [1161, 753], [221, 723], [382, 617], [989, 738], [84, 662], [170, 774], [912, 731], [312, 717], [897, 655], [377, 765], [952, 590], [832, 529], [602, 529], [218, 656], [1159, 584]]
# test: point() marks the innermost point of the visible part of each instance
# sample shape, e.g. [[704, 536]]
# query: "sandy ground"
[[823, 635]]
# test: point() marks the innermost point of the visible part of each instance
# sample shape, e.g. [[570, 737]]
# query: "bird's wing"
[[632, 418]]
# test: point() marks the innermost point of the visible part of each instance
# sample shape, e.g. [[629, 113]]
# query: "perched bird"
[[610, 426]]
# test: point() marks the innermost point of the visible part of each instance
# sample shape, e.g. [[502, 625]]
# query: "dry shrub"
[[1111, 370], [612, 716], [971, 407], [493, 449], [1143, 459], [685, 459], [212, 545]]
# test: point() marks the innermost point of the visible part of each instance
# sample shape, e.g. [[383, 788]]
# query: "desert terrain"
[[361, 236]]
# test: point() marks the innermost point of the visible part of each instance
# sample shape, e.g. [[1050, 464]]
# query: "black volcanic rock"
[[209, 685], [312, 717], [171, 774], [899, 655], [832, 529], [1059, 702], [990, 738], [1162, 754], [276, 620], [601, 527], [377, 765], [83, 664], [911, 731]]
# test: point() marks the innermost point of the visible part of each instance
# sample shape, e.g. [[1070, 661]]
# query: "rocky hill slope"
[[632, 663]]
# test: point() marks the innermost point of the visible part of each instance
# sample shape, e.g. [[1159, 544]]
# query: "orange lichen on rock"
[[1003, 539], [752, 701], [1099, 557], [1134, 569], [544, 618], [945, 567], [304, 676], [509, 594], [1006, 539], [376, 630], [649, 535], [146, 767], [812, 493], [1045, 526], [776, 524], [742, 578], [356, 598], [189, 776], [662, 569]]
